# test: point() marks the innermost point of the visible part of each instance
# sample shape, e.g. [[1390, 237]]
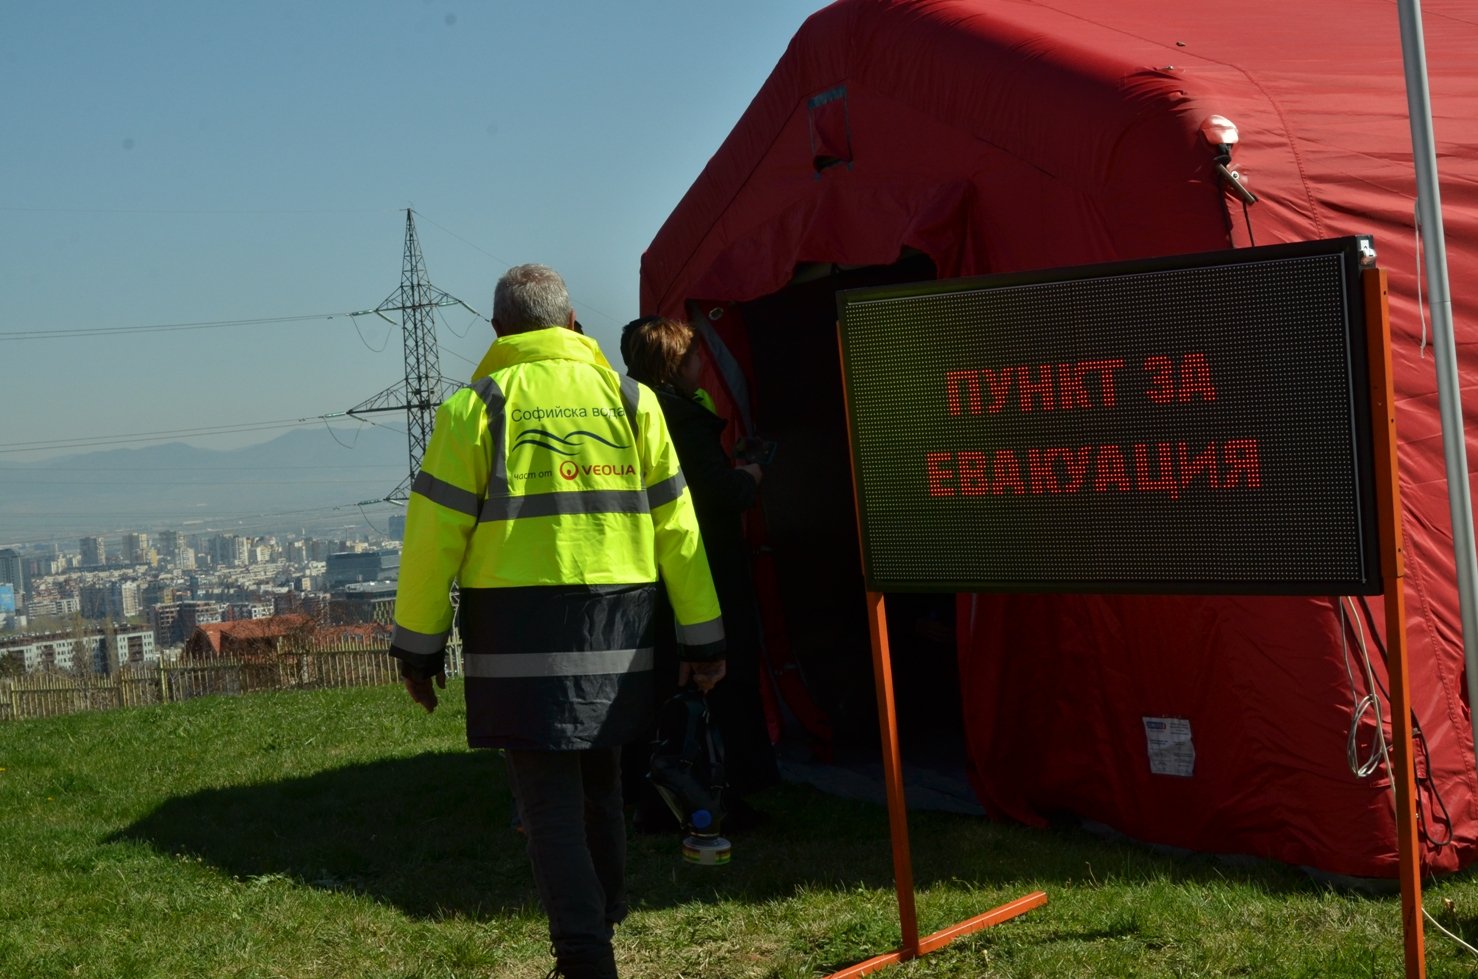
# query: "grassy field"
[[344, 834]]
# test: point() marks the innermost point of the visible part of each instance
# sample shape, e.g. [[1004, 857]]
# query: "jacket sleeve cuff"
[[702, 642], [419, 666], [708, 652]]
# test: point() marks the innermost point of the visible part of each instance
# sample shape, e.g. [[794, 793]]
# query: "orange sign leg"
[[912, 946], [1388, 502]]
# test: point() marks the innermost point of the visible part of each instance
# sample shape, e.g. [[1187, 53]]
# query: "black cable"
[[1423, 770], [42, 445], [383, 343], [1226, 214], [103, 331]]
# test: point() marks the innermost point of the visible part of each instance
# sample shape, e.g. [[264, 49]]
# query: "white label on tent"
[[1171, 750]]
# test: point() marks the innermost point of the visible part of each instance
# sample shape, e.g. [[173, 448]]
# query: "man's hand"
[[703, 675], [422, 692]]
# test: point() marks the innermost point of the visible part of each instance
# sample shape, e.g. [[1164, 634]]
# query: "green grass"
[[346, 834]]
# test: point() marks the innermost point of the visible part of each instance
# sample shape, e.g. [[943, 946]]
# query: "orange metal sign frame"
[[1388, 499], [913, 946], [1393, 568]]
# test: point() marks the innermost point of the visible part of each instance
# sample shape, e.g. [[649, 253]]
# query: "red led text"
[[1042, 387], [1171, 468], [1074, 386]]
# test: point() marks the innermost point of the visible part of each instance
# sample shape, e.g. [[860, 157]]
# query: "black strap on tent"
[[724, 360]]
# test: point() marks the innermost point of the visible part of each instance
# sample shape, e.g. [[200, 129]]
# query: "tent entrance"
[[811, 524]]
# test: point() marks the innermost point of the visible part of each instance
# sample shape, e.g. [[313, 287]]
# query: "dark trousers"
[[570, 804]]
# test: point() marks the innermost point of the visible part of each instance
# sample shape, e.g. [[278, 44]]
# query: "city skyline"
[[72, 611], [214, 562]]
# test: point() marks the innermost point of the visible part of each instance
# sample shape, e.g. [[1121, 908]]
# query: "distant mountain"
[[306, 478]]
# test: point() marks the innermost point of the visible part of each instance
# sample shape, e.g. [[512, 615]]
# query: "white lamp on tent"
[[1221, 133]]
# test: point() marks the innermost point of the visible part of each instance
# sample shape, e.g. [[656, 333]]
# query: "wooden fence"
[[139, 685]]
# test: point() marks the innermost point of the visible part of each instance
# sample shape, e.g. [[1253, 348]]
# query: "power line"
[[102, 331], [504, 261], [213, 516], [92, 441], [471, 245], [453, 353], [163, 433], [135, 484], [193, 469], [210, 523], [184, 211]]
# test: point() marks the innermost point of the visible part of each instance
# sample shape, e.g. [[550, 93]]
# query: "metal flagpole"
[[1449, 398]]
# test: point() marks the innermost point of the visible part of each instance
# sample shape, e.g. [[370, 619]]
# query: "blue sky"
[[170, 164]]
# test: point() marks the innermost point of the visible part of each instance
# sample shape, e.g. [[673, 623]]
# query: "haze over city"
[[197, 199]]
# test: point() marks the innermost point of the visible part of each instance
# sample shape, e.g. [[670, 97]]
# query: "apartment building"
[[174, 622], [136, 549], [112, 600], [89, 652], [13, 572], [94, 552], [350, 567]]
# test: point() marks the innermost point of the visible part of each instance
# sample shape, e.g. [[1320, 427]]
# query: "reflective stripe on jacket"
[[551, 493]]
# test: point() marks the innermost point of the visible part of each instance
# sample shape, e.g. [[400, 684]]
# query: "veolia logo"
[[568, 469]]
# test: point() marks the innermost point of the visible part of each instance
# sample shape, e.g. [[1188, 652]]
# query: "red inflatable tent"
[[908, 139]]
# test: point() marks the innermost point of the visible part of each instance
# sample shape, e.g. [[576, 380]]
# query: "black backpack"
[[687, 767]]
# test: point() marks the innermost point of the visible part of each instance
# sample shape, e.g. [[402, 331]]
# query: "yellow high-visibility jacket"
[[551, 494]]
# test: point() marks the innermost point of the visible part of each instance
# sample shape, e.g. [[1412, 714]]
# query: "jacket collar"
[[698, 407], [550, 343]]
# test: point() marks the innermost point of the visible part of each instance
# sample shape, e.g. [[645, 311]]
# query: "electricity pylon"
[[423, 388]]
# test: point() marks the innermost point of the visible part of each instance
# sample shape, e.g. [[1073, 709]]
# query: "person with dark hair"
[[550, 493], [665, 355]]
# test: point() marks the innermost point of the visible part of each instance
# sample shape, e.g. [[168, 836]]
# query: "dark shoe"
[[601, 966]]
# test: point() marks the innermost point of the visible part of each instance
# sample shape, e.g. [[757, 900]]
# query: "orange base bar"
[[939, 939]]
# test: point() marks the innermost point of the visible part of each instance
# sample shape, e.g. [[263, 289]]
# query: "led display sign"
[[1190, 424]]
